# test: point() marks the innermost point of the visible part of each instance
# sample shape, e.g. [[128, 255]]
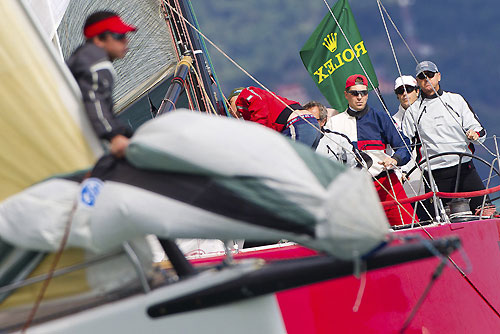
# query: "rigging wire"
[[437, 272], [210, 64], [194, 52], [169, 18], [435, 92]]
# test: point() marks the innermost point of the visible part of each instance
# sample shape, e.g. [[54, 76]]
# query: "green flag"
[[329, 59]]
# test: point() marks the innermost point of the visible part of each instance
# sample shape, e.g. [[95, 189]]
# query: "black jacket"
[[95, 74]]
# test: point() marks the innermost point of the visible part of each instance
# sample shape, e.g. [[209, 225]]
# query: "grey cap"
[[426, 65]]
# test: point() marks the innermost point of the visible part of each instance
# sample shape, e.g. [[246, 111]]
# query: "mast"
[[188, 43], [175, 88]]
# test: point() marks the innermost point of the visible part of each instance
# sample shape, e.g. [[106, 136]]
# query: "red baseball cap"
[[351, 81], [111, 24]]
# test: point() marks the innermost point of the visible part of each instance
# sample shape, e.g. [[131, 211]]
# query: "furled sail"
[[184, 179], [43, 127], [151, 56]]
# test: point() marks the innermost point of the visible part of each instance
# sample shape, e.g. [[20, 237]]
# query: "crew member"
[[445, 122], [106, 40], [371, 131], [276, 112], [318, 110], [406, 90]]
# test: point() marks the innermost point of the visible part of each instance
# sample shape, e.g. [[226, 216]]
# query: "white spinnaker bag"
[[183, 178]]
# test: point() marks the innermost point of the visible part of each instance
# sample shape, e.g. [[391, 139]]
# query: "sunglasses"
[[117, 36], [400, 90], [429, 74], [358, 92]]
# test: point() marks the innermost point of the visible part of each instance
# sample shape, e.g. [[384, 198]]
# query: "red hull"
[[452, 306]]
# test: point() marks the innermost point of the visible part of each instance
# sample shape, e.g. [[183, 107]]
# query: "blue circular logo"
[[91, 188]]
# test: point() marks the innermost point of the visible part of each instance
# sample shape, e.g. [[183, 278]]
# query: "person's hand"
[[405, 177], [119, 144], [472, 135], [388, 162]]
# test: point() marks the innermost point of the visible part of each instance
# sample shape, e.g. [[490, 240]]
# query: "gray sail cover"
[[191, 175]]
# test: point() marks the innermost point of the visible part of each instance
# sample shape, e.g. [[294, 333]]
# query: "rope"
[[210, 64], [197, 69], [394, 193], [52, 269], [171, 28]]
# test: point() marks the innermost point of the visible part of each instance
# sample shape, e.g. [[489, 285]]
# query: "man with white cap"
[[106, 40], [444, 122], [406, 90]]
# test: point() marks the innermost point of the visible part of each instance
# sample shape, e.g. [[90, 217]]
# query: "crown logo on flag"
[[331, 42]]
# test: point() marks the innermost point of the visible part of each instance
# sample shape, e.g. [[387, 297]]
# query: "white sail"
[[44, 128], [49, 13]]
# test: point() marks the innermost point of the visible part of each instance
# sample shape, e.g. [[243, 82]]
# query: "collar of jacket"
[[358, 114], [433, 96]]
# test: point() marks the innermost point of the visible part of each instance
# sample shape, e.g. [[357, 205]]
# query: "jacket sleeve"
[[470, 120], [398, 141], [96, 87]]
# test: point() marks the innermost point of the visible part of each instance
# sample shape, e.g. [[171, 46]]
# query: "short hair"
[[323, 113], [97, 17]]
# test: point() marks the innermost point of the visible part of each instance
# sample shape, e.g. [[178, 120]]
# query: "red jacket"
[[258, 105]]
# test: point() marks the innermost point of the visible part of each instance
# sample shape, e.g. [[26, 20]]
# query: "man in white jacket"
[[444, 122], [406, 90]]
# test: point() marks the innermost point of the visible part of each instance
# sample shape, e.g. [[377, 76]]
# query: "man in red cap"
[[370, 131], [106, 40]]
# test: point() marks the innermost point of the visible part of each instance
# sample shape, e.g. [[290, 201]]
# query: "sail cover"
[[191, 175], [43, 127], [151, 55]]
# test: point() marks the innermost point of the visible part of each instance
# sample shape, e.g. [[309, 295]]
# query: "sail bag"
[[191, 175]]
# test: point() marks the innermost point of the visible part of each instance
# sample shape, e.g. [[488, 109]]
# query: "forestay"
[[191, 175]]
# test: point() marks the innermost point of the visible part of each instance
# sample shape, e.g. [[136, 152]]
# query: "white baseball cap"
[[405, 80]]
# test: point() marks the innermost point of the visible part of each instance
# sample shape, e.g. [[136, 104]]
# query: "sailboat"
[[229, 295]]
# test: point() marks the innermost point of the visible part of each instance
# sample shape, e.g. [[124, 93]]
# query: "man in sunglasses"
[[371, 131], [106, 40], [444, 122], [406, 90]]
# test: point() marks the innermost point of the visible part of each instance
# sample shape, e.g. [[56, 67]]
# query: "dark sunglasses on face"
[[118, 37], [358, 92], [400, 90], [429, 74]]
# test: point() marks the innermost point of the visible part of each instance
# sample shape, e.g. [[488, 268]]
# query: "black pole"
[[288, 274], [177, 85], [182, 266]]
